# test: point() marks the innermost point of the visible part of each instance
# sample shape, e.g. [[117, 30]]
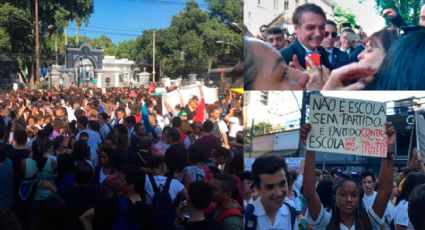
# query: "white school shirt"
[[389, 210], [281, 222], [175, 187], [401, 215], [324, 218]]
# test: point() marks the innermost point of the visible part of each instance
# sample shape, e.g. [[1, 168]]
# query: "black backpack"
[[125, 220], [162, 205], [251, 219]]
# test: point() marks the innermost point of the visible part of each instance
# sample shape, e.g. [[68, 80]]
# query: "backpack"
[[216, 130], [162, 205], [27, 187], [230, 212], [251, 219], [125, 219]]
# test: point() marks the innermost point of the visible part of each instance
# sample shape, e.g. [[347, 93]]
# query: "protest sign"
[[347, 126], [173, 98], [248, 164], [294, 163], [420, 132]]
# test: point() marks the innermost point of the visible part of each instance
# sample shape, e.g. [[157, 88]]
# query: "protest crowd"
[[276, 197], [322, 55], [121, 158]]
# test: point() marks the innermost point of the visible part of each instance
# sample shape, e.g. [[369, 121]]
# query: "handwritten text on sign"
[[347, 126]]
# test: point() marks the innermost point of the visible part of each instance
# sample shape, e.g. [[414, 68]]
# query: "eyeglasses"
[[333, 34], [263, 31]]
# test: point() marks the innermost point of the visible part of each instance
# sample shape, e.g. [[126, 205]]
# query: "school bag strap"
[[229, 212], [155, 187], [293, 213], [250, 218]]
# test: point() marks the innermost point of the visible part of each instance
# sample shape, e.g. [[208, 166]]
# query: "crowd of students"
[[75, 158], [276, 197]]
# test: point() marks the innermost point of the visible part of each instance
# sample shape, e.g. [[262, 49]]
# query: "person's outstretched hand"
[[390, 13], [341, 78], [318, 76]]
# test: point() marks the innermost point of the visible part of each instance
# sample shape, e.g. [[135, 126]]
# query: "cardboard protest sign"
[[294, 163], [210, 96], [420, 133], [347, 126]]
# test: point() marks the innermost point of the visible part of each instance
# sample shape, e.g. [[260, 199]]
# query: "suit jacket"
[[296, 48], [339, 58], [355, 51]]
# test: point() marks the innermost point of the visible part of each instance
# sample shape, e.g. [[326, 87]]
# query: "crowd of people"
[[276, 197], [346, 58], [89, 158]]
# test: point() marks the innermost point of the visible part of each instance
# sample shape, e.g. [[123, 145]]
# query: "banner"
[[210, 96], [420, 133], [248, 164], [294, 163], [347, 126]]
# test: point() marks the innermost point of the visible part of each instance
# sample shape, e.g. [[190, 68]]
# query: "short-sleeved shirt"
[[194, 172], [7, 183], [282, 220], [324, 218], [401, 215], [175, 187]]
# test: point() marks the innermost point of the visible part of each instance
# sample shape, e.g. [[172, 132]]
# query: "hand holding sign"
[[391, 137]]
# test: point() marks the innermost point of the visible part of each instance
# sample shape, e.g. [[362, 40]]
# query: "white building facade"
[[278, 12]]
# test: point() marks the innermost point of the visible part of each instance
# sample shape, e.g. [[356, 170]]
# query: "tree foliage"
[[342, 16], [17, 33], [189, 44], [408, 9]]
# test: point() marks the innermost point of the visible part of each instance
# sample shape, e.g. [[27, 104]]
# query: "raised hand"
[[304, 130]]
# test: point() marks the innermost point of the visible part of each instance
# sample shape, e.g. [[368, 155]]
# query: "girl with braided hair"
[[348, 210]]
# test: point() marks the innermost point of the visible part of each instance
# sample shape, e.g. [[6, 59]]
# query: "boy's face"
[[219, 194], [273, 189]]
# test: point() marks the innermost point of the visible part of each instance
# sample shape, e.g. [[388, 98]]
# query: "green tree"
[[342, 15], [106, 43], [408, 9], [16, 23], [189, 44], [126, 49], [227, 11]]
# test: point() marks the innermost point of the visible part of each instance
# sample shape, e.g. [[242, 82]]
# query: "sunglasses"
[[333, 34]]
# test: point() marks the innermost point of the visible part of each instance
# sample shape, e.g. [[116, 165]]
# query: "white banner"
[[210, 96], [294, 163], [347, 126]]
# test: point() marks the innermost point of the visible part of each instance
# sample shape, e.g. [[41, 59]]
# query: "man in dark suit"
[[336, 57], [348, 38], [309, 20]]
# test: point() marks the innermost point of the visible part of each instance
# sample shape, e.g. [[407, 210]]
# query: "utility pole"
[[153, 57], [251, 137], [37, 46], [301, 149]]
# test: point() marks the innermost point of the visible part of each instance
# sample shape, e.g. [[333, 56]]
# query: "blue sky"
[[123, 20]]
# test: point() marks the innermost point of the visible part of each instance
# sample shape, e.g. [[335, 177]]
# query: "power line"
[[163, 2], [106, 32]]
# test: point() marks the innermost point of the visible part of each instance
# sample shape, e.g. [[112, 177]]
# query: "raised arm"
[[386, 174], [309, 182]]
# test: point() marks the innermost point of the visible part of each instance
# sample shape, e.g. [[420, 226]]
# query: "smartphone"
[[315, 57]]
